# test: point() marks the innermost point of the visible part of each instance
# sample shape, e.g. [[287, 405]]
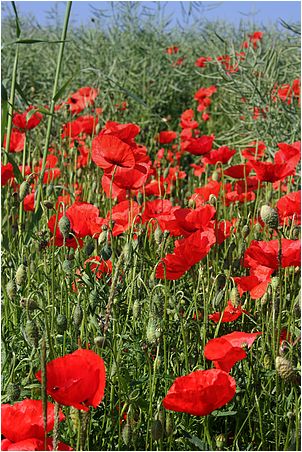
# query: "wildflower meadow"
[[151, 252]]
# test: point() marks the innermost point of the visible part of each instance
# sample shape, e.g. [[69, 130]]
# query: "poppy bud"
[[269, 216], [67, 266], [20, 275], [13, 392], [215, 176], [212, 200], [48, 204], [11, 289], [157, 430], [49, 190], [32, 333], [89, 247], [150, 333], [99, 341], [102, 237], [245, 231], [234, 297], [158, 235], [296, 233], [126, 433], [29, 304], [24, 190], [64, 226], [267, 361], [77, 316], [169, 425], [136, 309], [61, 323], [285, 369], [220, 441], [106, 252], [290, 415]]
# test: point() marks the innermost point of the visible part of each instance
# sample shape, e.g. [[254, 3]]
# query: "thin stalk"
[[11, 104], [52, 104]]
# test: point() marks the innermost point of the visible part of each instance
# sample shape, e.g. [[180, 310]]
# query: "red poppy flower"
[[255, 38], [186, 120], [25, 420], [222, 154], [201, 61], [200, 392], [254, 284], [272, 172], [230, 314], [222, 230], [31, 444], [238, 171], [98, 266], [204, 193], [288, 153], [77, 379], [254, 151], [223, 354], [123, 215], [187, 252], [198, 146], [7, 173], [166, 137], [171, 50], [109, 151], [20, 121], [266, 254], [125, 132], [234, 196], [289, 206], [202, 93], [81, 99], [17, 140], [81, 125]]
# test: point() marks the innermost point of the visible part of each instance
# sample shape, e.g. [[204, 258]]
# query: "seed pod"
[[285, 369], [100, 341], [11, 289], [67, 266], [75, 419], [245, 231], [24, 190], [32, 333], [61, 323], [20, 275], [269, 216], [28, 303], [77, 316], [220, 441], [106, 252], [234, 297], [48, 204], [64, 226], [158, 235], [169, 424], [89, 247], [13, 392], [157, 430], [136, 309], [127, 434]]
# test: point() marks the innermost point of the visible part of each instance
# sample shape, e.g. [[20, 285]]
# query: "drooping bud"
[[285, 369], [24, 190], [32, 333], [64, 226], [245, 231], [99, 341], [77, 316], [11, 289], [48, 204], [126, 433], [61, 323], [269, 216], [169, 424], [158, 235], [20, 275], [89, 247], [212, 200], [13, 392], [157, 430], [136, 309], [234, 297], [106, 252]]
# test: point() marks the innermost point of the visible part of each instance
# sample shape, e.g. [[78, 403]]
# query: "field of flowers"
[[151, 212]]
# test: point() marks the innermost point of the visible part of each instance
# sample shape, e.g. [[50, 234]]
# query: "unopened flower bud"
[[32, 333], [157, 430], [13, 392], [158, 235], [77, 316], [64, 226], [20, 275], [285, 369], [269, 216], [99, 341], [24, 190], [61, 323], [67, 266], [106, 252], [127, 433], [11, 289]]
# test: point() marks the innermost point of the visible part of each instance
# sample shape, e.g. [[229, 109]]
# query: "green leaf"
[[18, 29], [33, 41], [59, 93], [21, 93], [198, 443]]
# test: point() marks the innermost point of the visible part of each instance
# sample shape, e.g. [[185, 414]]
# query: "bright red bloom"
[[223, 354], [186, 120], [123, 214], [200, 392], [198, 146], [230, 314], [17, 141], [7, 173], [31, 444], [81, 99], [202, 93], [238, 171], [201, 61], [254, 284], [98, 266], [29, 202], [166, 137], [24, 420], [255, 38], [81, 125], [254, 151], [77, 379], [222, 154], [272, 172], [288, 153], [109, 151], [20, 121], [202, 194], [171, 50], [289, 206], [266, 254], [187, 252]]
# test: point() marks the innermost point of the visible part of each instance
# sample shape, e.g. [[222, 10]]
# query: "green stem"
[[52, 104], [11, 104]]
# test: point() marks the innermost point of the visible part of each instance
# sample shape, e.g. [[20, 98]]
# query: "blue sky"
[[264, 12]]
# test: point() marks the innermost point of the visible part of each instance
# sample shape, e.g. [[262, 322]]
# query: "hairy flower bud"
[[285, 369], [269, 216], [64, 226]]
